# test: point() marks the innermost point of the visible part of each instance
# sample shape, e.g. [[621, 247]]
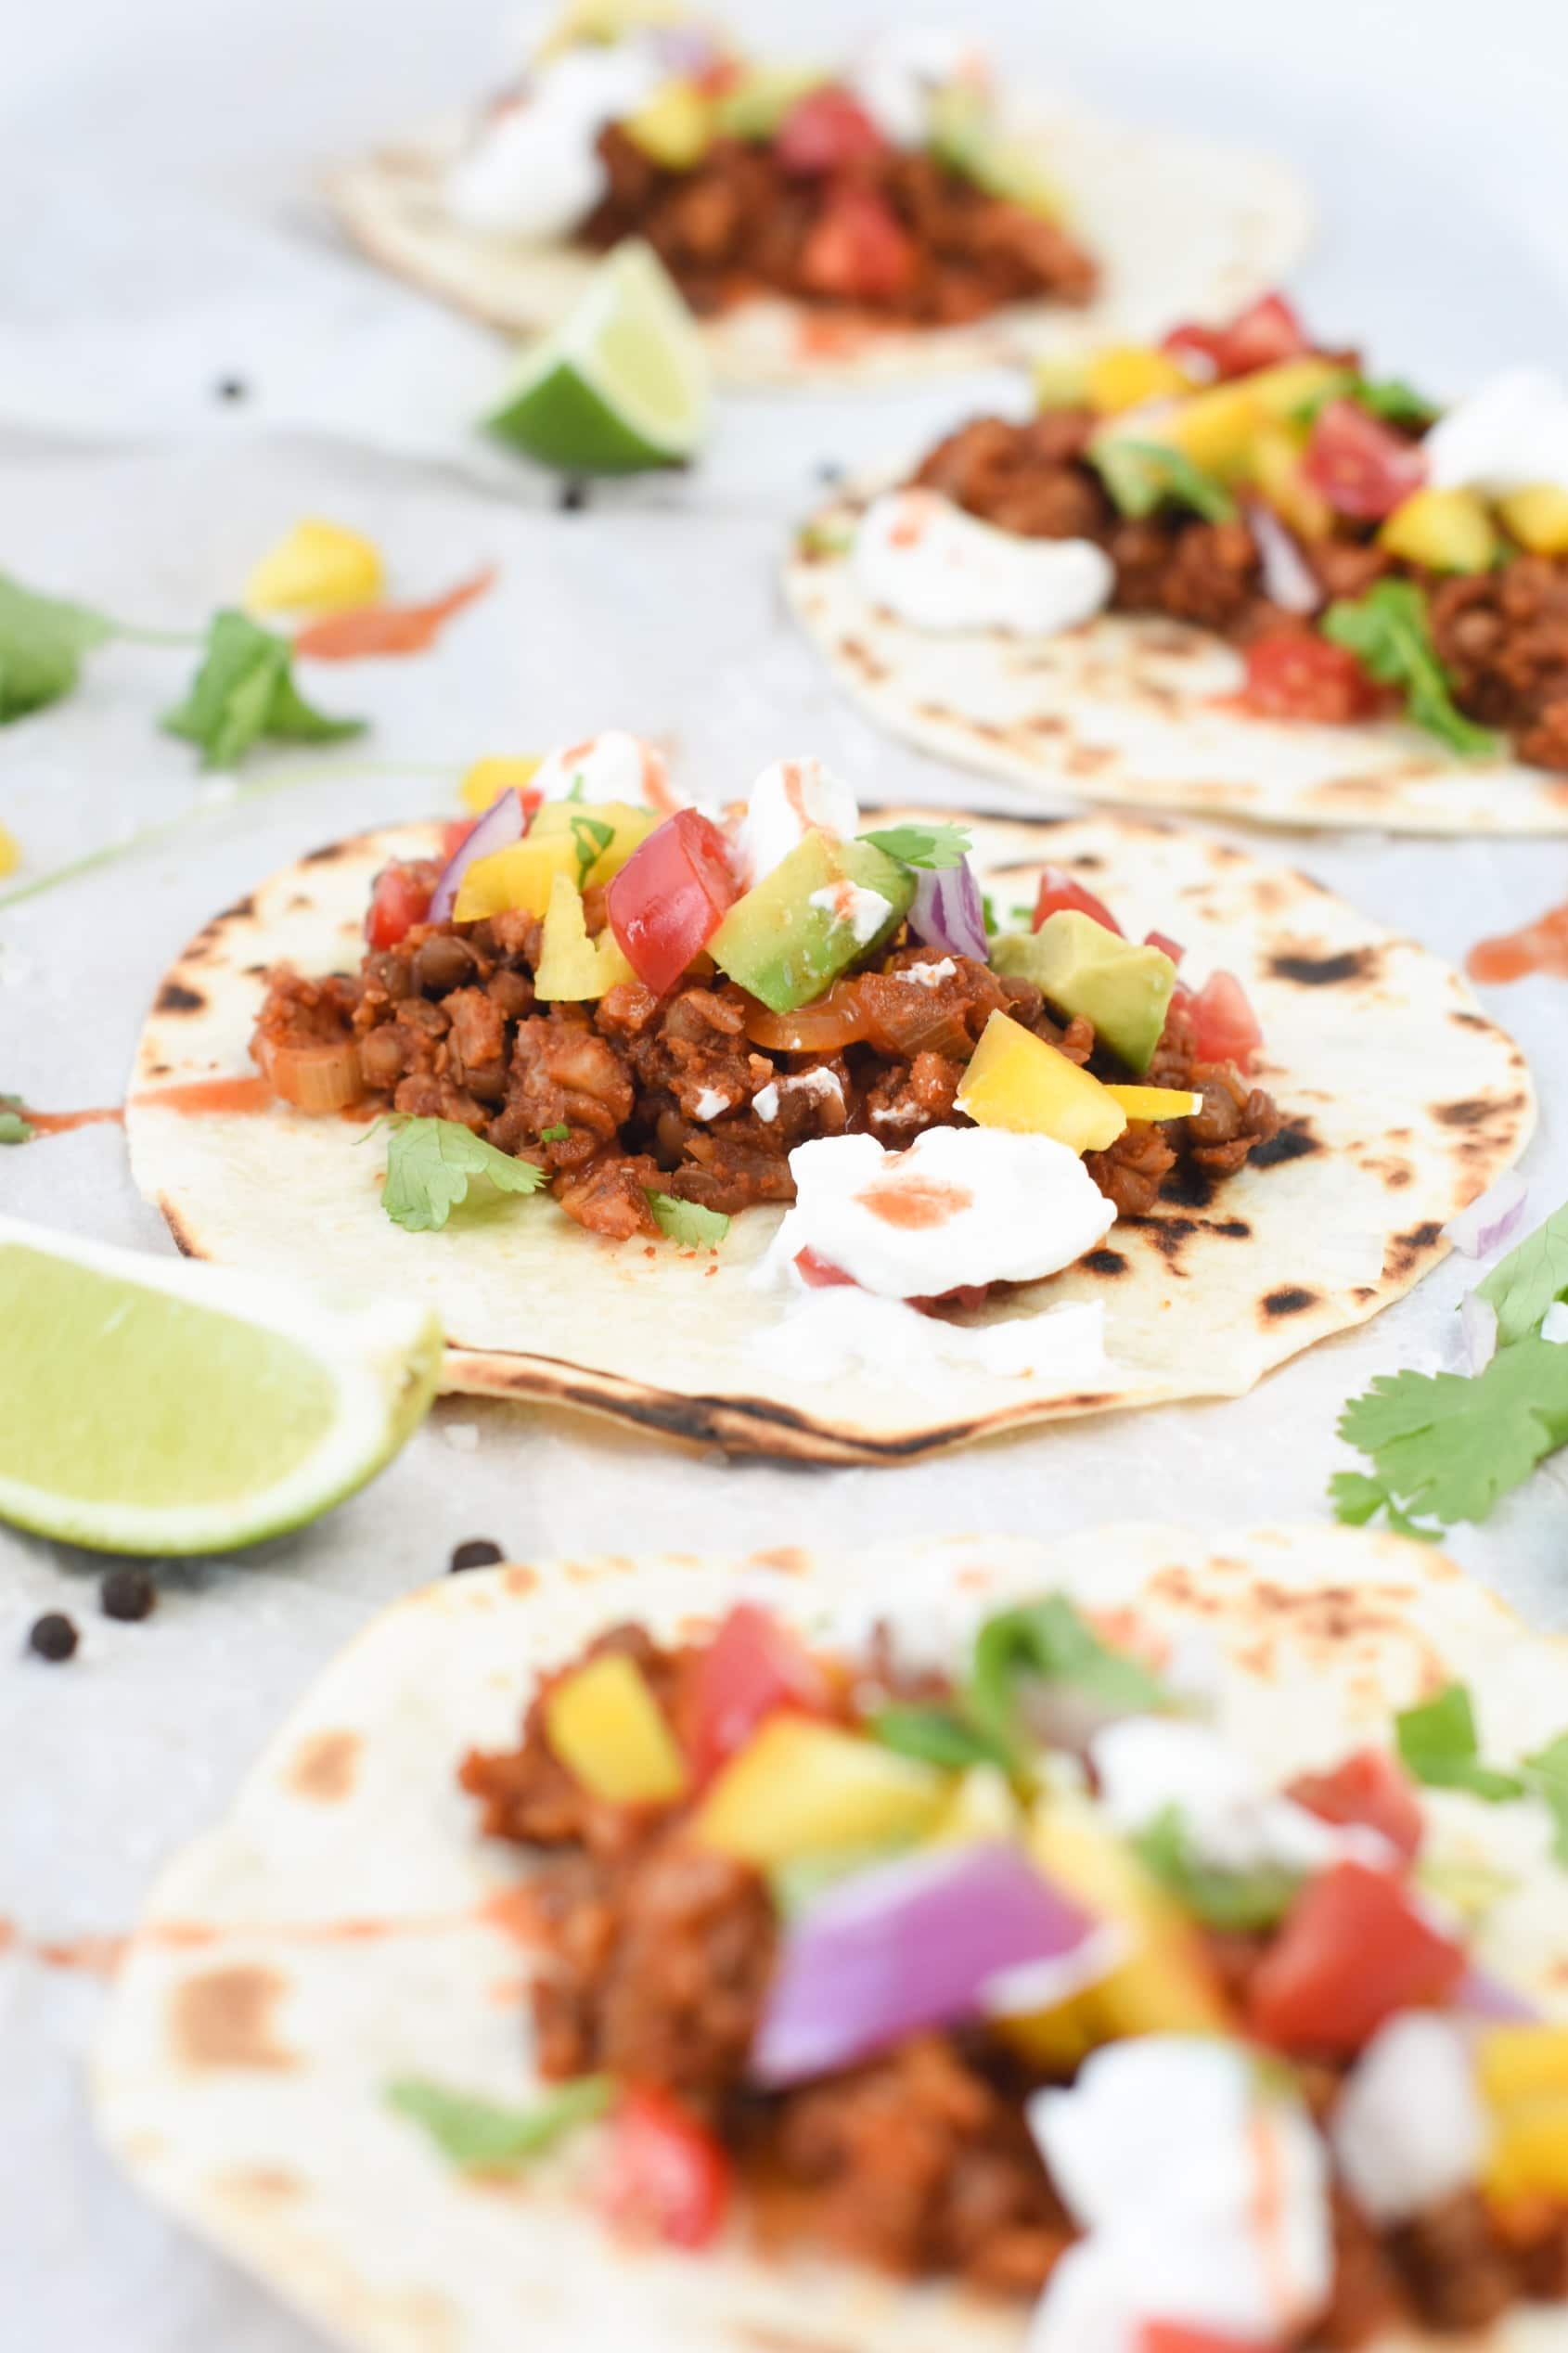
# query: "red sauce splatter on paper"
[[388, 629], [1541, 947], [195, 1095], [60, 1122]]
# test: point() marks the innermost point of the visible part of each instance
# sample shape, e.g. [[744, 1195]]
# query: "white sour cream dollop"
[[532, 169], [613, 766], [898, 71], [962, 1205], [940, 570], [1234, 1820], [1409, 2128], [824, 1336], [1509, 435], [790, 800], [1203, 2197]]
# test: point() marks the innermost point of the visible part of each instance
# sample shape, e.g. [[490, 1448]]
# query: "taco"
[[875, 221], [1063, 1117], [1161, 1935], [1231, 572]]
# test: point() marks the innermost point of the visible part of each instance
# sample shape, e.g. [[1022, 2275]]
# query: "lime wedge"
[[157, 1407], [621, 384]]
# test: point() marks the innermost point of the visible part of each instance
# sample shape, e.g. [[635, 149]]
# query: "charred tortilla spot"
[[1477, 1111], [1294, 1141], [259, 2185], [861, 658], [1188, 1188], [257, 972], [1104, 1262], [1327, 971], [1406, 1251], [1469, 1020], [174, 997], [184, 1240], [789, 1560], [326, 853], [224, 2019], [1290, 1300], [325, 1767]]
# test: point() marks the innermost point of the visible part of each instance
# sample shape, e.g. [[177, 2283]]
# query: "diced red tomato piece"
[[1363, 467], [859, 248], [1371, 1788], [1173, 2336], [1264, 333], [665, 2177], [1354, 1949], [826, 131], [670, 899], [400, 898], [1225, 1024], [454, 835], [753, 1667], [1166, 945], [1293, 674], [1061, 893], [820, 1273]]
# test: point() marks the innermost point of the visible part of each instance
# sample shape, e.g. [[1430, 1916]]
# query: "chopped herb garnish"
[[14, 1127], [1141, 476], [1546, 1772], [687, 1221], [1388, 397], [1231, 1899], [485, 2138], [1530, 1280], [936, 1736], [989, 913], [933, 847], [1444, 1447], [1388, 632], [1438, 1745], [245, 691], [591, 837], [42, 642], [431, 1165], [1358, 1500], [1048, 1641], [824, 539], [557, 1135]]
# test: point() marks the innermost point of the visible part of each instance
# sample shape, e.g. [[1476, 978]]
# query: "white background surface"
[[158, 232]]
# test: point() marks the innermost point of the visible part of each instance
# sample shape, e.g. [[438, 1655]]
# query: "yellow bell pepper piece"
[[1538, 516], [1016, 1081], [1126, 375], [582, 821], [981, 1808], [1062, 380], [10, 852], [318, 566], [520, 877], [1275, 465], [571, 966], [799, 1786], [606, 1726], [487, 779], [674, 126], [1445, 529], [1157, 1102]]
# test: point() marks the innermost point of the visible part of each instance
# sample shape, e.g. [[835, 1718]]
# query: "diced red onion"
[[685, 49], [910, 1945], [1490, 1220], [502, 824], [1480, 1994], [1288, 579], [947, 912], [1478, 1328]]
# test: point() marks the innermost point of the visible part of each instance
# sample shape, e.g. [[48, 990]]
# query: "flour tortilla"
[[1133, 709], [1406, 1102], [1181, 227], [341, 1927]]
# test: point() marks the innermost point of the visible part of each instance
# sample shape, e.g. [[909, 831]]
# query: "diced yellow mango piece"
[[1445, 529], [1519, 2063], [1275, 465], [1538, 516], [606, 1726], [1062, 380], [10, 852], [487, 779], [1529, 2153], [1216, 428], [1016, 1081], [800, 1785], [1282, 389], [518, 878], [674, 126], [571, 966], [1126, 375], [587, 823], [981, 1808], [319, 567], [1157, 1102]]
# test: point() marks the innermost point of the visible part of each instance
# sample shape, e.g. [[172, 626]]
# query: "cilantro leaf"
[[556, 1134], [1049, 1640], [243, 691], [1438, 1745], [936, 1736], [1143, 475], [1530, 1280], [687, 1221], [989, 913], [431, 1162], [478, 2134], [590, 838], [1546, 1772], [1238, 1899], [933, 847], [14, 1127], [1388, 397], [1446, 1447], [1357, 1501], [1387, 631], [42, 642]]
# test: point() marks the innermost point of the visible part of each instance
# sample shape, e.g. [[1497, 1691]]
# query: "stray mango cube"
[[518, 879], [606, 1727], [1126, 375], [10, 852], [1275, 465], [317, 567], [799, 1786], [674, 126], [1157, 1102], [1538, 516], [1444, 530], [487, 779], [1018, 1082], [1062, 380]]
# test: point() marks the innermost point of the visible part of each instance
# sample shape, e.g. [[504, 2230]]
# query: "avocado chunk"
[[790, 938], [1124, 989]]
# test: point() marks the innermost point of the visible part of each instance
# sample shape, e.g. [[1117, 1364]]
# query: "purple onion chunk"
[[502, 824], [1289, 580], [947, 912], [1492, 1219]]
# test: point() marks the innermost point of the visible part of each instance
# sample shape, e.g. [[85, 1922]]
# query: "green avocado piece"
[[1124, 989], [754, 108], [788, 952]]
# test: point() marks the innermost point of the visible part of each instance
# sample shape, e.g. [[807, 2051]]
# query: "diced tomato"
[[400, 898], [826, 131], [1371, 1788], [1293, 674], [1225, 1024], [1059, 892], [1354, 1950], [1363, 467], [752, 1668], [1166, 945], [665, 2177], [820, 1273], [1173, 2336], [858, 249], [670, 899], [1264, 333]]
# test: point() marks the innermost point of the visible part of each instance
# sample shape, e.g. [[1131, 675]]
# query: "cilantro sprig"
[[688, 1222], [1242, 1901], [1439, 1746], [590, 839], [935, 1736], [43, 640], [1389, 633], [1141, 476], [1048, 1641], [432, 1163], [484, 2138], [1532, 1278], [934, 848], [244, 691], [1388, 397]]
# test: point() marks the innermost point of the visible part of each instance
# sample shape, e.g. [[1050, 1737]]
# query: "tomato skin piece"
[[1265, 332], [753, 1667], [859, 248], [670, 899], [400, 898], [1166, 945], [1294, 674], [1061, 892], [1363, 467], [1353, 1950], [826, 131], [665, 2177], [1226, 1025], [1371, 1788]]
